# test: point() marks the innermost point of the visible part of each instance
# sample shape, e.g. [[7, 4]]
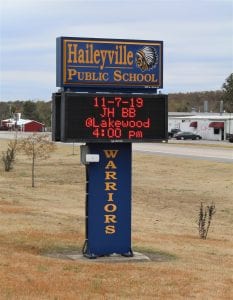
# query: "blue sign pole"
[[108, 205]]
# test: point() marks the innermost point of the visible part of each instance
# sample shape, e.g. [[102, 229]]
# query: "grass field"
[[167, 193]]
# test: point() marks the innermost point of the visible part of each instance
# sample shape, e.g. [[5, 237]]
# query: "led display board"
[[110, 117], [109, 63]]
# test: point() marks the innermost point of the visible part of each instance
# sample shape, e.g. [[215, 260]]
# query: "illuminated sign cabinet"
[[109, 117], [109, 63]]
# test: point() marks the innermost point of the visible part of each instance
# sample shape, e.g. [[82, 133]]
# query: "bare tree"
[[36, 146]]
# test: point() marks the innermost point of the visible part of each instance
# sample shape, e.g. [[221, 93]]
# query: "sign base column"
[[108, 200]]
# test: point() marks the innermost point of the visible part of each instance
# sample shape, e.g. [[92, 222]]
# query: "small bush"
[[8, 156], [205, 218]]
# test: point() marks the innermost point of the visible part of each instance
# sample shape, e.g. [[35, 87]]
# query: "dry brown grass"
[[166, 198]]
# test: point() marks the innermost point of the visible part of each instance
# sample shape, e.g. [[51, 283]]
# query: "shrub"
[[205, 218], [8, 156]]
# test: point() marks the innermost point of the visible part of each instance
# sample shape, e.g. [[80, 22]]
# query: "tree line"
[[33, 110], [186, 102], [177, 102]]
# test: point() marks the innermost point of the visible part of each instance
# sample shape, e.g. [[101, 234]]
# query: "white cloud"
[[197, 38]]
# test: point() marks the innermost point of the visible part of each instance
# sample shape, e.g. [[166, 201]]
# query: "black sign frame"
[[137, 117]]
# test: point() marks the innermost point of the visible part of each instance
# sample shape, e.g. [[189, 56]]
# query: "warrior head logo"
[[147, 58]]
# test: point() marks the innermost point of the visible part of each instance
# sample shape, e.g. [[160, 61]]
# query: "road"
[[221, 152]]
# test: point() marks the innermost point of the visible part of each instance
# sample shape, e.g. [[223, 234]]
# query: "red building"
[[33, 126], [23, 125]]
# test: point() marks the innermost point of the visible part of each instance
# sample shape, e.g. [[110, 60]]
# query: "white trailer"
[[209, 127]]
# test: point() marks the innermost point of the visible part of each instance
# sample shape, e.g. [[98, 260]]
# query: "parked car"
[[173, 131], [231, 138], [184, 135], [5, 128]]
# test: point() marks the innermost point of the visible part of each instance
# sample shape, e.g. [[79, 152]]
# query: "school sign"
[[109, 63], [108, 100]]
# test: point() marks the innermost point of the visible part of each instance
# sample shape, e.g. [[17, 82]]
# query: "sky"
[[197, 36]]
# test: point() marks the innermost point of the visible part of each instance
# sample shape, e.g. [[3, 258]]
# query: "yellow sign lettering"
[[110, 219], [110, 175], [110, 186], [110, 197], [71, 73], [111, 153], [72, 53], [110, 229], [110, 165], [110, 207]]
